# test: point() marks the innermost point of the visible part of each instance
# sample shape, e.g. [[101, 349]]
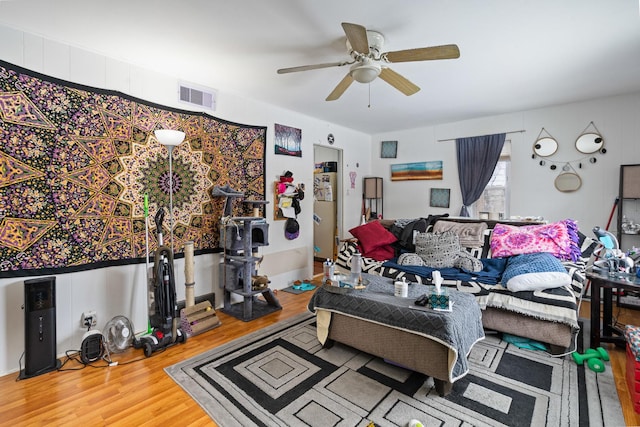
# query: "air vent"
[[197, 95]]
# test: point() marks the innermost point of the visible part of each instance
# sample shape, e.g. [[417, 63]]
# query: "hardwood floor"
[[135, 392], [619, 359], [138, 392]]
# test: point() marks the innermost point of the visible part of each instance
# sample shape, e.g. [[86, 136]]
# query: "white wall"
[[533, 192], [120, 290]]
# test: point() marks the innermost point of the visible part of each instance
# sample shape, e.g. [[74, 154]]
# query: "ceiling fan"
[[369, 62]]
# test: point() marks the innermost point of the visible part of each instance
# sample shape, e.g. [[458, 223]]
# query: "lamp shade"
[[373, 188], [169, 136]]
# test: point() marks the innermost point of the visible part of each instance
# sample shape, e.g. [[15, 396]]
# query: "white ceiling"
[[515, 54]]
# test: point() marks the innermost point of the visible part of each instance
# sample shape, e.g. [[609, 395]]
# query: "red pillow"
[[372, 235], [382, 253]]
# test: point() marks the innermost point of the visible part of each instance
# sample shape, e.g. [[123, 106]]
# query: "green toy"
[[595, 358]]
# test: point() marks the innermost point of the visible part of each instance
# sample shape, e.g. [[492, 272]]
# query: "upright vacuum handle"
[[159, 218]]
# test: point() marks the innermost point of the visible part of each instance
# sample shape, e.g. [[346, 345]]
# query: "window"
[[495, 198]]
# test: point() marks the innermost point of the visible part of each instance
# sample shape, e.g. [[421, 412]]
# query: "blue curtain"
[[477, 158]]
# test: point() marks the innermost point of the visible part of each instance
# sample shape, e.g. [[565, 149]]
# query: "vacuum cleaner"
[[164, 319]]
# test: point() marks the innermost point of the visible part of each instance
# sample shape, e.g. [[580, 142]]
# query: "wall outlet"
[[88, 319]]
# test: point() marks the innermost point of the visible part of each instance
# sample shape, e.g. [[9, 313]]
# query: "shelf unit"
[[629, 206], [240, 237], [373, 196]]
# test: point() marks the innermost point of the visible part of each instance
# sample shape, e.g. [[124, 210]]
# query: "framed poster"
[[418, 170], [388, 149], [439, 197]]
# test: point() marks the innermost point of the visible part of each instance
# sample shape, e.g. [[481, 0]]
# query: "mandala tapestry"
[[76, 163]]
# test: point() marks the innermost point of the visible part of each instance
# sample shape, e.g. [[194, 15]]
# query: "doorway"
[[327, 201]]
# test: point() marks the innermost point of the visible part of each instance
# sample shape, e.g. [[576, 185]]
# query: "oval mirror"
[[544, 147], [588, 143], [568, 182]]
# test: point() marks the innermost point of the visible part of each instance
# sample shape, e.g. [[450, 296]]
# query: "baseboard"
[[211, 297]]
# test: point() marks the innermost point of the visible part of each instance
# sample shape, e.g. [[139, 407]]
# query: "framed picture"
[[388, 149], [439, 197], [418, 170], [288, 140]]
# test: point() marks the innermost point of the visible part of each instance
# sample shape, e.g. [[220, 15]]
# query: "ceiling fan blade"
[[312, 67], [357, 36], [339, 90], [397, 81], [449, 51]]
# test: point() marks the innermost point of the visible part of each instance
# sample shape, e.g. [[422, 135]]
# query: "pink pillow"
[[372, 235], [559, 239]]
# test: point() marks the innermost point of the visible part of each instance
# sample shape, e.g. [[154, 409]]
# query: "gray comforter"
[[459, 329]]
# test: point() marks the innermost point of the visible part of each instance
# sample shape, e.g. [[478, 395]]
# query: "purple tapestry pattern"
[[76, 162]]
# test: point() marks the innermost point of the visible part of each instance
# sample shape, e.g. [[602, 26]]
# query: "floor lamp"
[[170, 139]]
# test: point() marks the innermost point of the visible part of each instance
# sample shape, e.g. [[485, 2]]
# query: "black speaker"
[[39, 327]]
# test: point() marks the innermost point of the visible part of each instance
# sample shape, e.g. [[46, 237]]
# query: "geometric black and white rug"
[[281, 376]]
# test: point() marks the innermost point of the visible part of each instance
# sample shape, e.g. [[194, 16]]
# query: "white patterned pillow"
[[438, 250], [467, 262], [410, 258]]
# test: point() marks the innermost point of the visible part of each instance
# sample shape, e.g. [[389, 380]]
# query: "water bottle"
[[356, 268], [327, 269]]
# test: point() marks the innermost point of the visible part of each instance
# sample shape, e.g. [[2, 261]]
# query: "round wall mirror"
[[545, 147], [588, 143], [568, 182]]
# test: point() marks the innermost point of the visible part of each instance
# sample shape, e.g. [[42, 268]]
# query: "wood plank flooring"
[[138, 392], [619, 359], [135, 392]]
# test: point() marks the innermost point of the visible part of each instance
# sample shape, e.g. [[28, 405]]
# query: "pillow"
[[538, 281], [372, 235], [471, 234], [409, 258], [381, 253], [530, 272], [558, 238], [438, 250], [467, 262]]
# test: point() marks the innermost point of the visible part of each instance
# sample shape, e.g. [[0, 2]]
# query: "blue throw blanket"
[[492, 269]]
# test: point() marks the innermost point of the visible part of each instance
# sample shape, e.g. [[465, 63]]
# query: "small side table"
[[608, 332]]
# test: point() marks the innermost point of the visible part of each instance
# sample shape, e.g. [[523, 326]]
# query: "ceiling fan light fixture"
[[365, 73]]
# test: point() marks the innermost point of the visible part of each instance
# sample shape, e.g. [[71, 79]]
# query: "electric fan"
[[118, 334], [92, 347]]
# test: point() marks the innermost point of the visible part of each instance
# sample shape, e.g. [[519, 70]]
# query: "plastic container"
[[401, 289], [328, 269]]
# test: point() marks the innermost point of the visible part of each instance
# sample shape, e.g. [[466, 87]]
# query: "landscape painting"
[[288, 140], [417, 170]]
